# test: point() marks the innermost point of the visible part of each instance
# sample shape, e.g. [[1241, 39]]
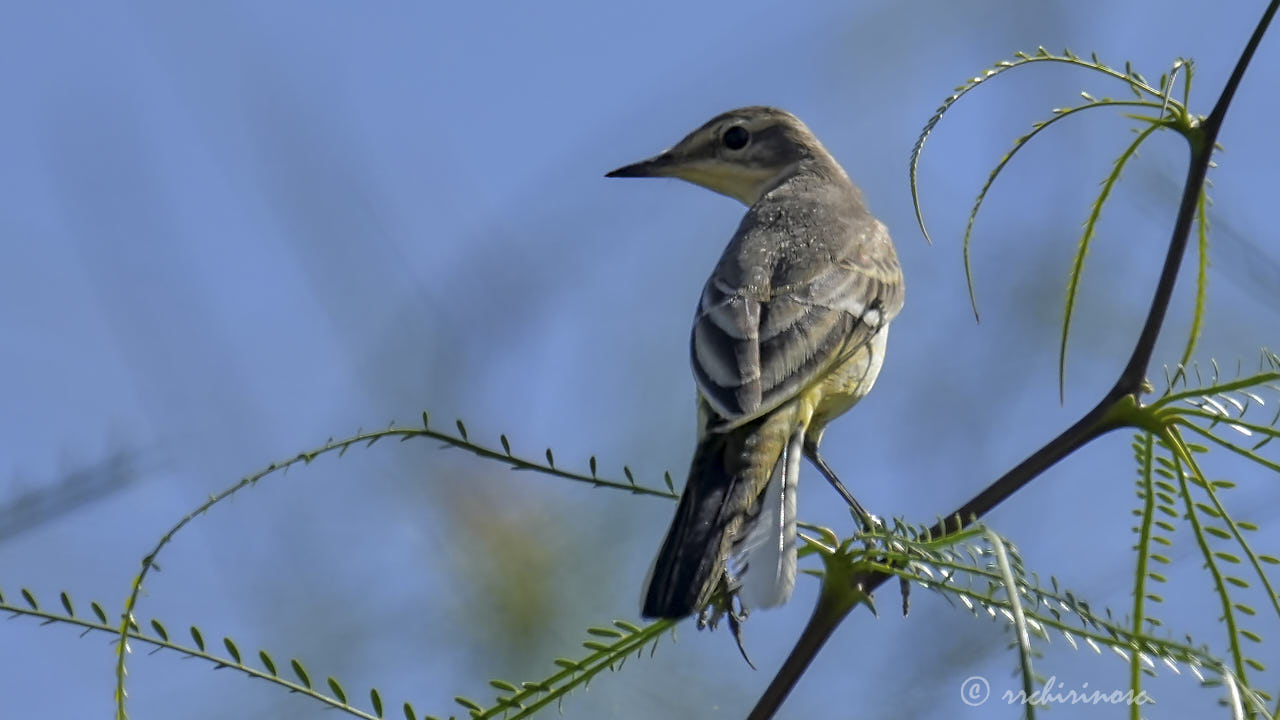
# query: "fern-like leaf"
[[159, 639], [1090, 228], [622, 639], [339, 447], [1144, 94]]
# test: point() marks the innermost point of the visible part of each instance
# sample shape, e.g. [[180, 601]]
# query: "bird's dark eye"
[[736, 137]]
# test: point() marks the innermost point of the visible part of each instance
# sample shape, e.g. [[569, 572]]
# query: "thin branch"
[[1201, 154]]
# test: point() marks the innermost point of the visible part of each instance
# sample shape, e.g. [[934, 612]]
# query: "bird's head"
[[742, 153]]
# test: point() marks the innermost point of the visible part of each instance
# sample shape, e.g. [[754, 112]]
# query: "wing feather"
[[783, 307]]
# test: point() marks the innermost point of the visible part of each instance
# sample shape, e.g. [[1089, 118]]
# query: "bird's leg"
[[867, 521]]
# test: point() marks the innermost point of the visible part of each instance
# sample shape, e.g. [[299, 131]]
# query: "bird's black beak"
[[656, 166]]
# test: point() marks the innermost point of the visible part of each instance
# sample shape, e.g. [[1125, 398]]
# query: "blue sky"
[[233, 230]]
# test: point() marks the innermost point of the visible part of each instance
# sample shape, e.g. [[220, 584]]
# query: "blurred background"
[[232, 230]]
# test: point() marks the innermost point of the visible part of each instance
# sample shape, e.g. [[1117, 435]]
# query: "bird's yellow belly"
[[846, 384]]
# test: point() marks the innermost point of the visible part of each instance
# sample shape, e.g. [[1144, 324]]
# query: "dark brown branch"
[[1094, 424], [1201, 155]]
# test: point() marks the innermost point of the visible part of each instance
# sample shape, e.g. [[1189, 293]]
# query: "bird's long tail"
[[739, 505]]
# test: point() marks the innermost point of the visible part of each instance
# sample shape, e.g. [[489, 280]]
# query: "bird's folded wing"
[[754, 350]]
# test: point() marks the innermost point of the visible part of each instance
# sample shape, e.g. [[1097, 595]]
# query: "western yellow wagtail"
[[790, 332]]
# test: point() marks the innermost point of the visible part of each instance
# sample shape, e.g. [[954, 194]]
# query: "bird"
[[790, 332]]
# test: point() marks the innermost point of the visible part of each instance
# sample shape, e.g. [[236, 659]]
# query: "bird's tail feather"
[[766, 553], [721, 504]]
